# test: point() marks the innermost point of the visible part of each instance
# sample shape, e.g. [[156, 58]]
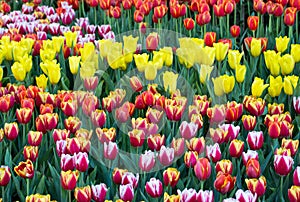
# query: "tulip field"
[[149, 100]]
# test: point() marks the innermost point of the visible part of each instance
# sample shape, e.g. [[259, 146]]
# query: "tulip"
[[154, 188], [289, 16], [190, 158], [290, 144], [178, 146], [25, 169], [235, 31], [296, 176], [136, 84], [205, 196], [117, 175], [255, 47], [23, 115], [258, 87], [83, 194], [275, 108], [74, 64], [71, 38], [287, 64], [152, 41], [289, 84], [126, 192], [41, 81], [189, 23], [224, 166], [202, 169], [136, 137], [283, 164], [188, 195], [171, 176], [98, 118], [255, 140], [223, 84], [196, 144], [6, 102], [236, 148], [295, 52], [59, 134], [240, 73], [213, 152], [11, 130], [46, 108], [30, 152], [188, 130], [130, 178], [234, 58], [218, 135], [253, 168], [282, 43], [67, 162], [147, 161], [170, 81], [37, 197], [69, 179], [221, 50], [5, 175], [153, 115], [224, 183], [294, 193], [18, 71], [99, 192], [257, 186], [90, 104], [110, 150], [166, 156], [253, 105], [296, 104], [252, 22], [275, 86], [245, 196], [210, 38]]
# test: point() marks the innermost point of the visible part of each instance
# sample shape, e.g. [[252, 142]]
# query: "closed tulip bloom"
[[155, 142], [257, 186], [147, 161], [189, 23], [294, 194], [275, 86], [190, 158], [141, 61], [23, 115], [74, 64], [235, 31], [202, 169], [81, 161], [110, 150], [188, 130], [240, 73], [11, 130], [98, 118], [241, 195], [166, 156], [205, 196], [234, 58], [295, 52], [236, 148], [170, 81], [287, 64], [289, 84], [150, 71], [154, 188], [224, 166], [136, 84], [83, 194], [296, 176], [38, 198], [117, 175], [30, 152], [5, 175], [213, 152], [283, 164], [290, 144], [41, 81], [258, 87], [25, 169], [171, 176], [224, 183], [67, 162], [18, 71], [188, 195], [126, 192], [196, 144], [69, 179], [221, 50], [205, 72], [249, 122], [152, 41], [253, 168], [136, 137], [252, 22], [71, 38], [210, 38], [282, 43], [99, 192], [255, 47]]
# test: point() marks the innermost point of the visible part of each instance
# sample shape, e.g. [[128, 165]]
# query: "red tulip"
[[224, 166], [231, 130], [99, 192], [115, 12], [283, 164], [154, 188], [257, 186], [196, 144], [81, 161], [249, 122], [91, 83], [105, 134], [189, 23], [155, 142], [236, 148], [178, 146], [30, 152], [69, 179], [127, 4], [205, 196], [117, 175], [219, 10], [130, 178], [160, 11], [224, 183], [69, 107], [126, 192], [67, 162], [25, 169], [136, 137], [259, 6], [210, 38], [255, 140], [178, 10], [171, 176], [190, 158], [296, 176], [253, 168], [188, 195], [254, 105], [294, 194], [228, 7], [11, 130], [6, 102], [252, 22], [98, 118], [34, 138], [289, 16], [152, 41], [202, 169], [5, 175], [46, 108], [290, 144], [233, 111], [136, 84], [59, 134], [249, 155], [105, 4]]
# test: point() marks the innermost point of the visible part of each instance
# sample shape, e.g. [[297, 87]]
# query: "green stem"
[[228, 28], [70, 196], [291, 32], [277, 25], [3, 191], [270, 24], [27, 186], [234, 19], [82, 7], [281, 188], [221, 27], [297, 27], [95, 15]]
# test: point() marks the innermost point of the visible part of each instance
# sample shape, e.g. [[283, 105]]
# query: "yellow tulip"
[[87, 70], [170, 81], [26, 61], [205, 72], [295, 52], [228, 83], [48, 64], [199, 42], [47, 54], [86, 51], [58, 43], [130, 44], [185, 42], [74, 64], [234, 58], [287, 64], [27, 43], [221, 50], [218, 86], [258, 87], [289, 84], [2, 54], [5, 40], [150, 71], [115, 57], [41, 81], [240, 73], [1, 74], [185, 57], [282, 43], [255, 47], [18, 71], [141, 61], [104, 46], [272, 62], [71, 38], [209, 58], [54, 74], [167, 55], [18, 52], [275, 86], [8, 51], [158, 59], [48, 44]]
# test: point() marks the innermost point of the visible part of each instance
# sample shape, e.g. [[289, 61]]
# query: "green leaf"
[[56, 179], [41, 186], [266, 161], [7, 158], [17, 185]]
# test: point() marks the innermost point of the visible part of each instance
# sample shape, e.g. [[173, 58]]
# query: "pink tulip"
[[99, 192], [296, 103], [147, 161], [205, 196], [126, 192], [129, 178], [232, 131], [283, 164], [249, 155], [81, 161], [255, 139], [245, 196], [188, 130], [67, 162], [110, 150], [166, 155], [213, 152], [188, 195], [154, 188], [296, 176]]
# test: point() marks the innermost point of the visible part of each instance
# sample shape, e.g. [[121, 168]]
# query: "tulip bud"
[[23, 115], [126, 192], [69, 179], [294, 193], [25, 169], [202, 169], [224, 183], [283, 164], [152, 41], [178, 146], [117, 175], [5, 175], [171, 176], [30, 152], [81, 161], [110, 150], [136, 137], [224, 166], [255, 140], [235, 31], [210, 38], [99, 192], [83, 194], [252, 22], [11, 130], [257, 186], [34, 138], [154, 188], [236, 148], [189, 23]]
